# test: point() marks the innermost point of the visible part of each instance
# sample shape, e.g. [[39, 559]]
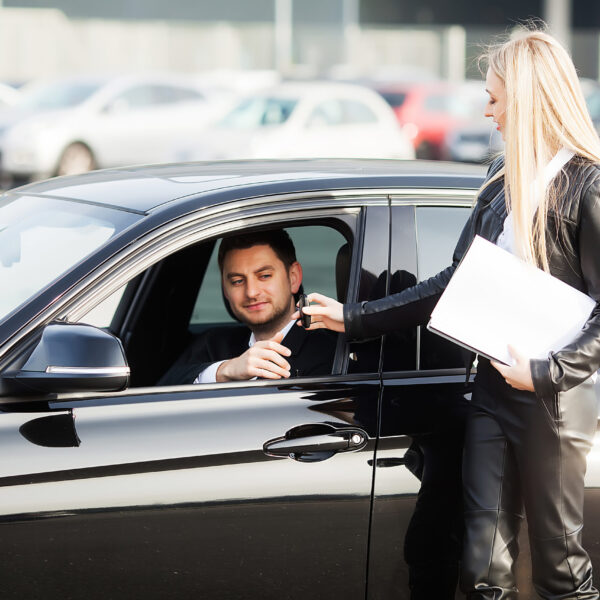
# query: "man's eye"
[[265, 276], [236, 281]]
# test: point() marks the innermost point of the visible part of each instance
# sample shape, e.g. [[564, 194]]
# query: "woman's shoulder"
[[582, 186], [492, 189], [583, 176], [495, 166]]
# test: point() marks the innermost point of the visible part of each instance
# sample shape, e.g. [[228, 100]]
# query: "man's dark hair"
[[277, 239]]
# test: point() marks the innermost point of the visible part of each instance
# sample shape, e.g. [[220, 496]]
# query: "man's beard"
[[276, 322]]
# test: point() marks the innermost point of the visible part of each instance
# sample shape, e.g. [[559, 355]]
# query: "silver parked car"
[[77, 124]]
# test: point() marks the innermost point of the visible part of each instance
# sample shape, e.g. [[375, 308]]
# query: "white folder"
[[495, 299]]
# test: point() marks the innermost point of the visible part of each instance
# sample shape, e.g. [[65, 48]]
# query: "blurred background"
[[87, 85]]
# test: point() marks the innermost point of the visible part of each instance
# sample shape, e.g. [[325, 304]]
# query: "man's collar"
[[285, 331]]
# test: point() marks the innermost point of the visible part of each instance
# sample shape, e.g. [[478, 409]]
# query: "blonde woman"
[[531, 424]]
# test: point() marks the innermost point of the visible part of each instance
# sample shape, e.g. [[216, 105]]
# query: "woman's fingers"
[[517, 375], [325, 312]]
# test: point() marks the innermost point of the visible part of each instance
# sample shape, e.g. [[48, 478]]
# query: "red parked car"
[[428, 111]]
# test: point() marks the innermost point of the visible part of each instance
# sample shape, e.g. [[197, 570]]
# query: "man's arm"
[[265, 359]]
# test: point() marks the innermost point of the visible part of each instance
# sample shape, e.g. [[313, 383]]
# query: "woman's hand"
[[519, 374], [327, 313]]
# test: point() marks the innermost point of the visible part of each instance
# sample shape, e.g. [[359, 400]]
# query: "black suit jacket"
[[312, 352]]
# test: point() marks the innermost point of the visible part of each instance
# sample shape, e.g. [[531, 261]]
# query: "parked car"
[[428, 111], [81, 123], [114, 487], [9, 95], [591, 91], [476, 142], [304, 120]]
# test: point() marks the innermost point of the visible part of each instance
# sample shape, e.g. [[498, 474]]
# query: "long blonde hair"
[[545, 111]]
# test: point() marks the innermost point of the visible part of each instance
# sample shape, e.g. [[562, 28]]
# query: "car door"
[[238, 490], [416, 526]]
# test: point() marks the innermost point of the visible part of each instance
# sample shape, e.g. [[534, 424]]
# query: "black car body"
[[299, 488]]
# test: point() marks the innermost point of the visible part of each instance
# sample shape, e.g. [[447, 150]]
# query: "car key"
[[304, 318]]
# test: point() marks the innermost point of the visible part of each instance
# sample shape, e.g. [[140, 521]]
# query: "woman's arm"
[[577, 361]]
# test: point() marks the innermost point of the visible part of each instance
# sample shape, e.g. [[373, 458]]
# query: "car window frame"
[[181, 232], [459, 197]]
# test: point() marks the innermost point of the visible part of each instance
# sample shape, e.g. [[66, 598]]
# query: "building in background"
[[347, 38]]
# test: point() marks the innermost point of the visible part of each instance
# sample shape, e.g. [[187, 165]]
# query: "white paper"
[[495, 299]]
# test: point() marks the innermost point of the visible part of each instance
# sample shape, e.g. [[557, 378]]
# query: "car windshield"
[[62, 94], [42, 238], [259, 112]]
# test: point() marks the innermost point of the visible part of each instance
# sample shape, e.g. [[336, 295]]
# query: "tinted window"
[[438, 230], [394, 99], [400, 345]]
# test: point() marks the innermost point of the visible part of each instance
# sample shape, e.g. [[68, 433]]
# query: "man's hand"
[[264, 359], [519, 374]]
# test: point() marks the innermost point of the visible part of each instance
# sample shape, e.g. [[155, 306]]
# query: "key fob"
[[304, 319]]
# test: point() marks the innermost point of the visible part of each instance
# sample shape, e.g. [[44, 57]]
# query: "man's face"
[[259, 287]]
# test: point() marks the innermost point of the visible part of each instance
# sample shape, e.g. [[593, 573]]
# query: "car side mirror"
[[72, 358]]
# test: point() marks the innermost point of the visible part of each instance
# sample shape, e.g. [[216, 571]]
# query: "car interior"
[[158, 313]]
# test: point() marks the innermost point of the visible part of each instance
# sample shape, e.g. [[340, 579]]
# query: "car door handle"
[[310, 448]]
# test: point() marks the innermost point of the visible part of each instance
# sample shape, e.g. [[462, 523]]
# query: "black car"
[[339, 486]]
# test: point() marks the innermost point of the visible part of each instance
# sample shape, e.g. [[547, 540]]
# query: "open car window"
[[165, 309]]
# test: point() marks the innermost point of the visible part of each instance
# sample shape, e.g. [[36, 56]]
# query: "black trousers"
[[526, 455]]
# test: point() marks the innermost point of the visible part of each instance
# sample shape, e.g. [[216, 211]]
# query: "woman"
[[531, 424]]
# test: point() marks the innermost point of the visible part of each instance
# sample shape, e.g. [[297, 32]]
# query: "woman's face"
[[496, 105]]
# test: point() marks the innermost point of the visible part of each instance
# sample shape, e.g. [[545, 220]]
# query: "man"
[[260, 277]]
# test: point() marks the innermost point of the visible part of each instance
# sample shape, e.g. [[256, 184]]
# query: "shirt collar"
[[285, 331]]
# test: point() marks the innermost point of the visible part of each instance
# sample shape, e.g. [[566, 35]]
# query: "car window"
[[170, 94], [163, 311], [259, 112], [60, 94], [394, 99], [102, 314], [438, 230], [400, 345], [316, 250], [593, 104], [139, 96], [327, 114], [357, 112]]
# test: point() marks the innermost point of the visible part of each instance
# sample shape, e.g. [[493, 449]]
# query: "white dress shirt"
[[209, 375]]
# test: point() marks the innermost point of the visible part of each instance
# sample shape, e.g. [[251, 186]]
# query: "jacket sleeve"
[[577, 361], [414, 305], [407, 308]]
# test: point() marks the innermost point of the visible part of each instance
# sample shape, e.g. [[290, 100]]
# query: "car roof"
[[147, 188]]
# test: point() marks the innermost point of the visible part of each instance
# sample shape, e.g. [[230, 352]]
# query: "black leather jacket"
[[574, 257]]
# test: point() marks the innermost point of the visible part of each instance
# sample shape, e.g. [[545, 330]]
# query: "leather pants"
[[526, 455]]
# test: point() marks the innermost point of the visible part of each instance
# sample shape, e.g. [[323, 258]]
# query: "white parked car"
[[9, 95], [304, 120], [73, 125]]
